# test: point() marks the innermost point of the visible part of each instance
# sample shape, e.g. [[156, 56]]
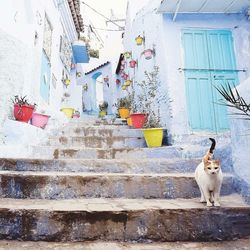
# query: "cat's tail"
[[211, 150]]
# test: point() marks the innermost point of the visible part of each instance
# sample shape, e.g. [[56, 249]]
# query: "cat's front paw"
[[202, 200], [216, 204], [209, 204]]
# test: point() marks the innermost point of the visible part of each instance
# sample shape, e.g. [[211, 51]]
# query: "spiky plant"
[[234, 100]]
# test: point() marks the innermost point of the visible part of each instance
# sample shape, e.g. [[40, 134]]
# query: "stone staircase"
[[92, 182]]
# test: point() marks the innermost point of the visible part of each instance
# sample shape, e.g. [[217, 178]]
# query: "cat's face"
[[212, 167]]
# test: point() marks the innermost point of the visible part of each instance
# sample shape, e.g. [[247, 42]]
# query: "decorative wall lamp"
[[85, 87], [106, 79], [139, 40], [78, 74], [66, 82]]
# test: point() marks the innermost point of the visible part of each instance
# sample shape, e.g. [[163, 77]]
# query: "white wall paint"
[[21, 65]]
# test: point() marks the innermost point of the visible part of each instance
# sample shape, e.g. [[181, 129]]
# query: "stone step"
[[69, 185], [242, 244], [123, 220], [101, 131], [135, 166], [98, 141]]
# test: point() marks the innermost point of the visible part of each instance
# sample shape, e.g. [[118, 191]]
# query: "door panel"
[[209, 61], [221, 113], [199, 92], [196, 53], [221, 52]]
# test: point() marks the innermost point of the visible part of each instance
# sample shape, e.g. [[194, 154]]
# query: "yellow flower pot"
[[139, 40], [129, 121], [68, 112], [124, 113], [127, 83], [153, 137], [102, 113]]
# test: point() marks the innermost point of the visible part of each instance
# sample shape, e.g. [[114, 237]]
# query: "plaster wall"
[[240, 137], [21, 40]]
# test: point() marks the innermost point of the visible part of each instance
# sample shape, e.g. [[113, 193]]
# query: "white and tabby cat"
[[208, 176]]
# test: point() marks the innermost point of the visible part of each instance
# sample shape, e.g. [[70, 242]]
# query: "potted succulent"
[[23, 110], [103, 106]]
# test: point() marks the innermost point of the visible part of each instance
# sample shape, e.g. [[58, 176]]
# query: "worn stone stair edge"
[[155, 225]]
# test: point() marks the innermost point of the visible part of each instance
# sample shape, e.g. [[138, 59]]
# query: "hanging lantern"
[[106, 79], [78, 74], [125, 76], [127, 54], [139, 40], [128, 82], [66, 82], [124, 87], [132, 63], [148, 53], [117, 81], [85, 87]]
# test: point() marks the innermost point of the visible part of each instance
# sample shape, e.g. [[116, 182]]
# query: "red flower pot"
[[23, 113], [138, 119], [132, 63], [125, 76]]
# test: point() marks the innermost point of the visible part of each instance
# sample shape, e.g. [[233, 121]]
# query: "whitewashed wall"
[[20, 52]]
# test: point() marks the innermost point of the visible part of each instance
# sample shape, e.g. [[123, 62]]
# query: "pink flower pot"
[[148, 53], [39, 120]]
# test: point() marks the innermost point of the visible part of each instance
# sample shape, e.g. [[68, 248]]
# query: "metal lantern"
[[66, 82], [106, 79]]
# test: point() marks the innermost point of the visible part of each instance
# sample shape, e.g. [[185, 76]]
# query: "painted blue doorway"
[[209, 61]]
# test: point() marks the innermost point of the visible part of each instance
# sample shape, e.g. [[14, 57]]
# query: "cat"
[[208, 176]]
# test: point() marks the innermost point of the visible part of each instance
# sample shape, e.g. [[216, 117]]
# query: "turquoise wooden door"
[[209, 61]]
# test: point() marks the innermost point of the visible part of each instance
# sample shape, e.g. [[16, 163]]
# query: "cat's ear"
[[217, 162]]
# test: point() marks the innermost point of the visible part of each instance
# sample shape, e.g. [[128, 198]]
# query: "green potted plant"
[[103, 106], [23, 109], [123, 105]]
